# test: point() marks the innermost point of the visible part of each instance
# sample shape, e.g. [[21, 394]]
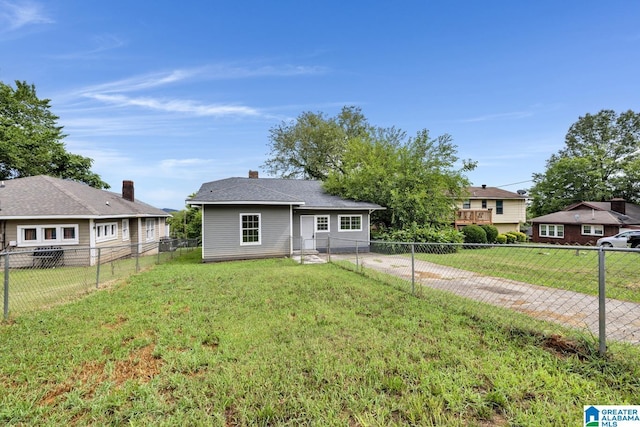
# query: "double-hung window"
[[125, 229], [551, 230], [592, 230], [350, 222], [250, 231], [499, 207], [322, 223], [150, 229]]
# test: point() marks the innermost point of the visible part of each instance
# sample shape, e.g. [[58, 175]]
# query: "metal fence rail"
[[40, 277], [592, 290]]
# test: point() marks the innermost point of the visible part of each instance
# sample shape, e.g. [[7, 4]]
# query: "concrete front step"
[[306, 252]]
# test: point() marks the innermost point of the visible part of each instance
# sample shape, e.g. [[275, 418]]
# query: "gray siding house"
[[253, 217], [46, 212]]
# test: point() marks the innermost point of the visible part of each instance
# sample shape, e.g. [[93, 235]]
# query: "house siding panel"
[[221, 228], [514, 213]]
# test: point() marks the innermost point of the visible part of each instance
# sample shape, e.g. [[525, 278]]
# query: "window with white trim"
[[250, 231], [350, 222], [499, 207], [150, 229], [551, 230], [106, 231], [466, 204], [592, 230], [56, 234], [125, 229], [322, 223]]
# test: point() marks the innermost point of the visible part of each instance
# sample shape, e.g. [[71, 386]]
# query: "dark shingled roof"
[[492, 193], [45, 196], [305, 194], [594, 213]]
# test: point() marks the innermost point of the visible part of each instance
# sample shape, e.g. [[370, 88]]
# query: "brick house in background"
[[584, 223]]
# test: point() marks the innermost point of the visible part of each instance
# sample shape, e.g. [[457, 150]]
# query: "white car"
[[617, 241]]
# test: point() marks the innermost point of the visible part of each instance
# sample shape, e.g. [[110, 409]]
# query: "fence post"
[[98, 270], [602, 308], [357, 260], [6, 286], [413, 269]]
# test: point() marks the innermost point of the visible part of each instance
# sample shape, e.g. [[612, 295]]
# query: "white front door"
[[307, 227]]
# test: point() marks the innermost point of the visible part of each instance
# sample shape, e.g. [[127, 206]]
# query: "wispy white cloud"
[[15, 15], [207, 72], [499, 116], [143, 104], [177, 106], [101, 44]]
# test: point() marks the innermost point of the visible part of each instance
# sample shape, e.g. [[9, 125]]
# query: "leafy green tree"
[[31, 140], [314, 144], [186, 223], [600, 161], [415, 178]]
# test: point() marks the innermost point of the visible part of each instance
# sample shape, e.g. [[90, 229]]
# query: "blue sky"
[[173, 94]]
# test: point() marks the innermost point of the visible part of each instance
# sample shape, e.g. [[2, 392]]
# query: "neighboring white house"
[[491, 205], [267, 217]]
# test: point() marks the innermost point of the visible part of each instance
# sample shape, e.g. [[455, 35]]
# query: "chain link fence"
[[41, 277], [595, 291]]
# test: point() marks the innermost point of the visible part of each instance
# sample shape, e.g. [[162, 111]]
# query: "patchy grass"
[[273, 342]]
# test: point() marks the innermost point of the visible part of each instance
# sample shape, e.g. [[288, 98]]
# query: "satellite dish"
[[522, 192]]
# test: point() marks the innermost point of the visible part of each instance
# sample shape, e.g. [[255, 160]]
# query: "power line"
[[515, 183]]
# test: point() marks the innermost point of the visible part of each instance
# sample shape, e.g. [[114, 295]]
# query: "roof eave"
[[244, 202]]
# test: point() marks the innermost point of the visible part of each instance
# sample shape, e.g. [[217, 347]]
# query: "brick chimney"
[[619, 205], [253, 174], [127, 191]]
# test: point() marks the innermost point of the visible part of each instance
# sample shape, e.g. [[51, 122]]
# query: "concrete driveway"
[[561, 306]]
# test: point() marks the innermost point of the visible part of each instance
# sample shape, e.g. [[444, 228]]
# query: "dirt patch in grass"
[[120, 320], [496, 420], [141, 366], [563, 346], [427, 275]]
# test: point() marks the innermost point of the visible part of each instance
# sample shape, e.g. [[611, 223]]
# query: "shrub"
[[417, 234], [492, 232], [501, 239], [474, 234], [511, 237], [520, 236]]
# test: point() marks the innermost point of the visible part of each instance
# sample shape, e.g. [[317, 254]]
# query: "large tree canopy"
[[313, 145], [414, 178], [31, 141], [600, 161]]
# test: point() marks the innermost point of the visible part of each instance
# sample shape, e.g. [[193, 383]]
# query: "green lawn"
[[273, 342], [559, 267]]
